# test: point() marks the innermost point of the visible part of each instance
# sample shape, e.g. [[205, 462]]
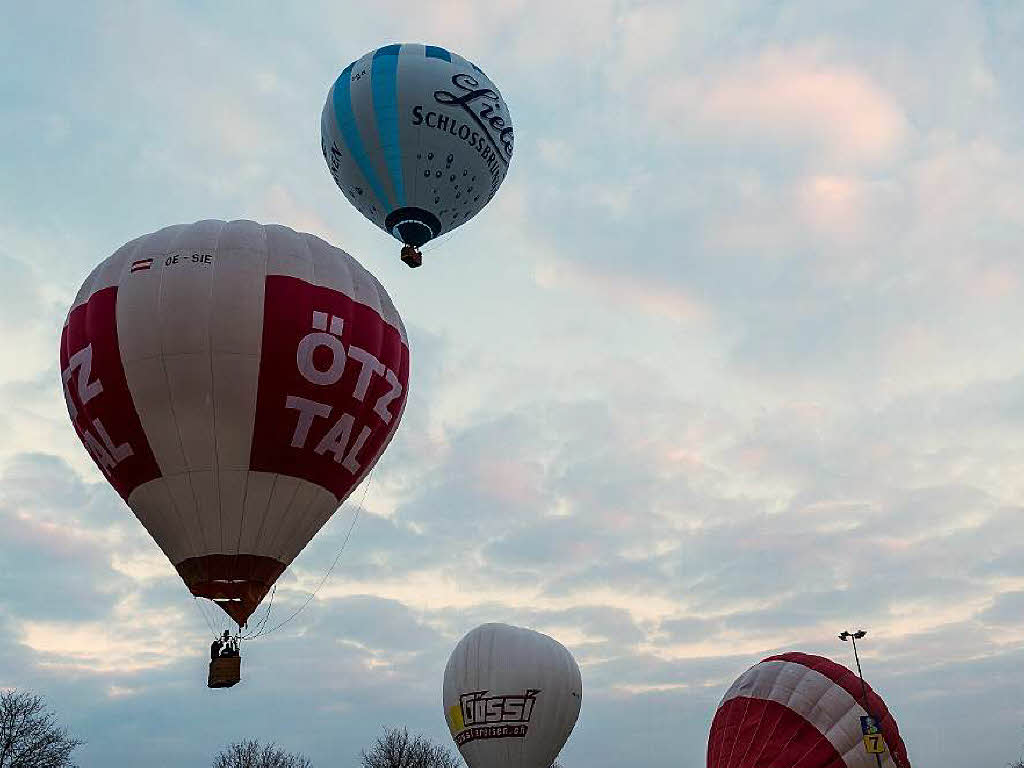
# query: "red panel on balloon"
[[98, 400], [761, 733], [332, 385], [852, 684]]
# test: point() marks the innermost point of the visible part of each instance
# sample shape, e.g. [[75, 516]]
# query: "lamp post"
[[853, 637]]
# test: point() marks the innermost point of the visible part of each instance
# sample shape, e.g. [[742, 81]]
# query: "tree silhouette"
[[255, 754], [397, 749], [29, 734]]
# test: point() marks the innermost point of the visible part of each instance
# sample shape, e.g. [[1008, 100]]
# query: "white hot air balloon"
[[511, 697], [234, 382]]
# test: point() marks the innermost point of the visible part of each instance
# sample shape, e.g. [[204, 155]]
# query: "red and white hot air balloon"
[[234, 382], [796, 710]]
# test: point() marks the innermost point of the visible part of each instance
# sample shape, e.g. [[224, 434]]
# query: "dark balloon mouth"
[[413, 226], [235, 582]]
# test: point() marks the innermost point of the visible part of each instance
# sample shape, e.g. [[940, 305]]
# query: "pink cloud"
[[660, 300], [508, 480], [994, 282], [790, 97]]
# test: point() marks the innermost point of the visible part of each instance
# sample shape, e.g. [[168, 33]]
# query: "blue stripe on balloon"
[[384, 80], [434, 52], [388, 50], [346, 120]]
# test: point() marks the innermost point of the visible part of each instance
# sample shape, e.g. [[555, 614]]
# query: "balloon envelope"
[[796, 710], [417, 138], [511, 697], [234, 382]]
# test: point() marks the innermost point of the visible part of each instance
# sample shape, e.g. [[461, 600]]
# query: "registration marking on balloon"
[[479, 716], [332, 380], [173, 260], [188, 259]]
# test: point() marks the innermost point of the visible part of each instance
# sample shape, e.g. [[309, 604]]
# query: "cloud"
[[730, 363], [786, 96], [657, 299], [56, 562]]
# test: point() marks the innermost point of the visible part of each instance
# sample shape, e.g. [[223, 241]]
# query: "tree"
[[29, 734], [397, 749], [254, 754]]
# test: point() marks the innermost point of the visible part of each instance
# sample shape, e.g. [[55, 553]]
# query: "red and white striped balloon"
[[796, 710], [234, 382]]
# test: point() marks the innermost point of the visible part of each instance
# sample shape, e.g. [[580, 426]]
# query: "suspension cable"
[[445, 237], [262, 622], [213, 632], [337, 558]]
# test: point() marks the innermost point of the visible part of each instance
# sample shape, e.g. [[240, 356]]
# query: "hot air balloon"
[[795, 710], [418, 139], [233, 382], [511, 697]]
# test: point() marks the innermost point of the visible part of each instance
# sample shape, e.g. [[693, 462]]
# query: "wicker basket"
[[225, 671]]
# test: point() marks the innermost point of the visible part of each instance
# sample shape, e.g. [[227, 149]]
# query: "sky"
[[732, 362]]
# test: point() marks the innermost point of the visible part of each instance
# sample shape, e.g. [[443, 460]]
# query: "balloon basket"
[[225, 672], [412, 256]]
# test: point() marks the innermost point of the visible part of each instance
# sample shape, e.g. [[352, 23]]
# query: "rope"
[[430, 245], [337, 558], [262, 622], [206, 618]]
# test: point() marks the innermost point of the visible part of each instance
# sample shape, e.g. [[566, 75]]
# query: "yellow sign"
[[455, 716], [874, 744]]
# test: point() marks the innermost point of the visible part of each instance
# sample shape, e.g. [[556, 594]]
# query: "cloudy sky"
[[733, 361]]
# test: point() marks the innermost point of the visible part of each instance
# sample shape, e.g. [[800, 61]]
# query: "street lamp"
[[853, 637]]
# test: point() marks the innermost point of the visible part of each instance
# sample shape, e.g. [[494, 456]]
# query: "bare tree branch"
[[397, 749], [30, 736], [255, 754]]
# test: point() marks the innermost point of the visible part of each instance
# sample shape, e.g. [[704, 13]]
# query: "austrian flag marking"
[[141, 264]]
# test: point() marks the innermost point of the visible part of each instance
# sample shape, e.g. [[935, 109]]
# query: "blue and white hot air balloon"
[[418, 139]]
